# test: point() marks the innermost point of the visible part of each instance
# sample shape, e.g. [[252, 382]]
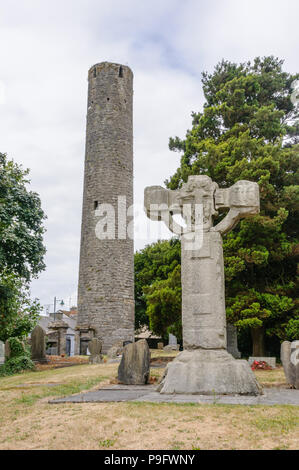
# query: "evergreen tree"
[[154, 268], [249, 129]]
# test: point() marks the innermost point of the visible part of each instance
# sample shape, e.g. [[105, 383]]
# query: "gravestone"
[[232, 341], [204, 366], [289, 355], [172, 343], [134, 368], [294, 366], [2, 356], [7, 350], [38, 346], [95, 349], [285, 357], [115, 350], [160, 345], [60, 327]]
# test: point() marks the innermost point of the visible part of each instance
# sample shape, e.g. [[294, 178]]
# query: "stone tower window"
[[95, 205], [94, 72], [121, 72]]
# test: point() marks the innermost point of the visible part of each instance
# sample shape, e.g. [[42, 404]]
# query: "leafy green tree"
[[292, 329], [19, 358], [249, 129], [155, 263], [164, 300], [21, 250], [18, 313], [21, 223]]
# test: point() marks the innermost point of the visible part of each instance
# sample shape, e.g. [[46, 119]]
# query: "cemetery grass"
[[28, 421]]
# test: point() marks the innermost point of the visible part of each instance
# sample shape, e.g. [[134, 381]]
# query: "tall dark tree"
[[249, 129]]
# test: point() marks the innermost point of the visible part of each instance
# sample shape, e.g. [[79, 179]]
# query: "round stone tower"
[[106, 273]]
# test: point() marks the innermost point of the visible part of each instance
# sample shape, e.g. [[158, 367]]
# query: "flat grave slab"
[[147, 393]]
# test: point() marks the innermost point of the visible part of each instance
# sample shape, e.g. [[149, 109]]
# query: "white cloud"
[[45, 53]]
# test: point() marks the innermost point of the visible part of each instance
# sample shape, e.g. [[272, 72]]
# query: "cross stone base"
[[213, 371]]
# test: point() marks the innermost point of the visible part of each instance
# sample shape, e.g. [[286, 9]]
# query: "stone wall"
[[106, 273]]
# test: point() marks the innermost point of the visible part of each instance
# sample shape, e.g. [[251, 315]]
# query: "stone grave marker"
[[134, 368], [38, 346], [95, 349], [2, 356]]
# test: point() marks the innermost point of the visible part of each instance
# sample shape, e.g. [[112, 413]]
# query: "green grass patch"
[[60, 390], [107, 443], [283, 423]]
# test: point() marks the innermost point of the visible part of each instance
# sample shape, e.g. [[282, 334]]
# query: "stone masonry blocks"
[[106, 272]]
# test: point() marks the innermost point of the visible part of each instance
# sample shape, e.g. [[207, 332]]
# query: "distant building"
[[53, 339]]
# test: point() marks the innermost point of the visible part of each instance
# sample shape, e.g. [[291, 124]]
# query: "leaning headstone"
[[294, 366], [115, 350], [285, 357], [38, 346], [2, 356], [134, 368], [7, 350], [95, 349], [232, 341]]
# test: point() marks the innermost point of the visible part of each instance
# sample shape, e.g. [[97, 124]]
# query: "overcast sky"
[[46, 49]]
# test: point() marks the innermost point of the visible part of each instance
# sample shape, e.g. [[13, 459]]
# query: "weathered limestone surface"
[[106, 273], [134, 368], [289, 355], [38, 346], [285, 357], [205, 366], [203, 307], [207, 371], [232, 341], [95, 349], [294, 367]]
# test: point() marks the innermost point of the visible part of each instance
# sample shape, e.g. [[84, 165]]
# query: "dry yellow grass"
[[27, 421]]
